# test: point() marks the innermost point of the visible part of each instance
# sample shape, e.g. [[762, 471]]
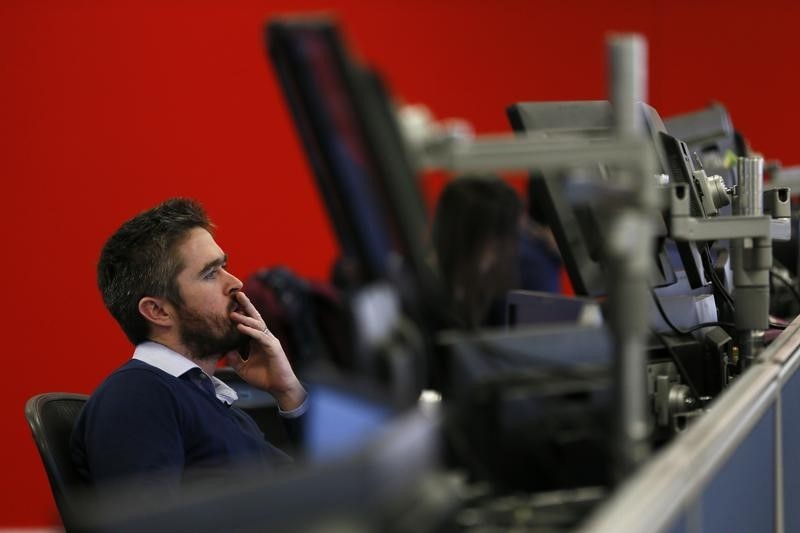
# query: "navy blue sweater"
[[142, 422]]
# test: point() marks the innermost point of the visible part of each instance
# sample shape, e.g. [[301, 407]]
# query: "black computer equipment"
[[530, 409], [680, 168], [709, 133]]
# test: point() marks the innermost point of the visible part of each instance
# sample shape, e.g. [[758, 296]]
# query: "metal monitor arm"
[[751, 233]]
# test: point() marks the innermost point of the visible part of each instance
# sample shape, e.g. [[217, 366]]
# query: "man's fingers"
[[254, 329], [249, 308], [250, 322], [251, 314]]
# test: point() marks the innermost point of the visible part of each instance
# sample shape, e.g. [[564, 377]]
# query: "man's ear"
[[157, 310]]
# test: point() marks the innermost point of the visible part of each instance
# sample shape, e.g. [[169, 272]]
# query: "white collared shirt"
[[174, 364]]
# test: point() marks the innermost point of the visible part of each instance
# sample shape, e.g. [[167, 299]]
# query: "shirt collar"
[[175, 364]]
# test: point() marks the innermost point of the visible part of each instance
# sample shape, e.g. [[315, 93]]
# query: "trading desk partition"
[[733, 470]]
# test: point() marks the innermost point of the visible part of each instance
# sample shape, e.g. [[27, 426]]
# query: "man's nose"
[[235, 283]]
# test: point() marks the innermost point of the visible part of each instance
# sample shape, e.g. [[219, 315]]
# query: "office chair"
[[51, 417]]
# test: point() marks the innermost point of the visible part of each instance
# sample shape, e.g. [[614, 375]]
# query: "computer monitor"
[[580, 228], [372, 196], [530, 409], [710, 134], [353, 142], [680, 168], [343, 414]]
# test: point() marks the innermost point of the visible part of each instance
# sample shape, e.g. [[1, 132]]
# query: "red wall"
[[107, 108]]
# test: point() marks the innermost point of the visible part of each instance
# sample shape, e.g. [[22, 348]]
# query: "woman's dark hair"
[[477, 217]]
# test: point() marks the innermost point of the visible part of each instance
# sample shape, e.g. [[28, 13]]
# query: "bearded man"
[[163, 416]]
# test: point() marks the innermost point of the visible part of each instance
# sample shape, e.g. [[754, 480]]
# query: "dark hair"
[[472, 213], [141, 259]]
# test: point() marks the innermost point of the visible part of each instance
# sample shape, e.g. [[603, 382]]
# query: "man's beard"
[[208, 337]]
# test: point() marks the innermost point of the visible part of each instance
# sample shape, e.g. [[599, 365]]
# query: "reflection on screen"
[[339, 422]]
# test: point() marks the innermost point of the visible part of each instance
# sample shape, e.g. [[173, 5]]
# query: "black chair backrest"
[[52, 416]]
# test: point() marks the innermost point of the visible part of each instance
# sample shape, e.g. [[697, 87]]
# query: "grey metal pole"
[[628, 82], [630, 243], [751, 260]]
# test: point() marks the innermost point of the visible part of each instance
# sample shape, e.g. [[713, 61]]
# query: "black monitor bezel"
[[392, 180]]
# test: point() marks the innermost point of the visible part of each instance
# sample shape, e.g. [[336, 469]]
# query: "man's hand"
[[266, 367]]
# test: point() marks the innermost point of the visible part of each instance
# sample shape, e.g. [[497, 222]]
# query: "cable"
[[711, 324], [681, 369], [786, 282], [674, 356], [663, 313], [705, 256], [692, 329]]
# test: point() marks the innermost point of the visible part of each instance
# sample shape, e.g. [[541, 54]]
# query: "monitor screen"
[[340, 420], [370, 189], [350, 135]]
